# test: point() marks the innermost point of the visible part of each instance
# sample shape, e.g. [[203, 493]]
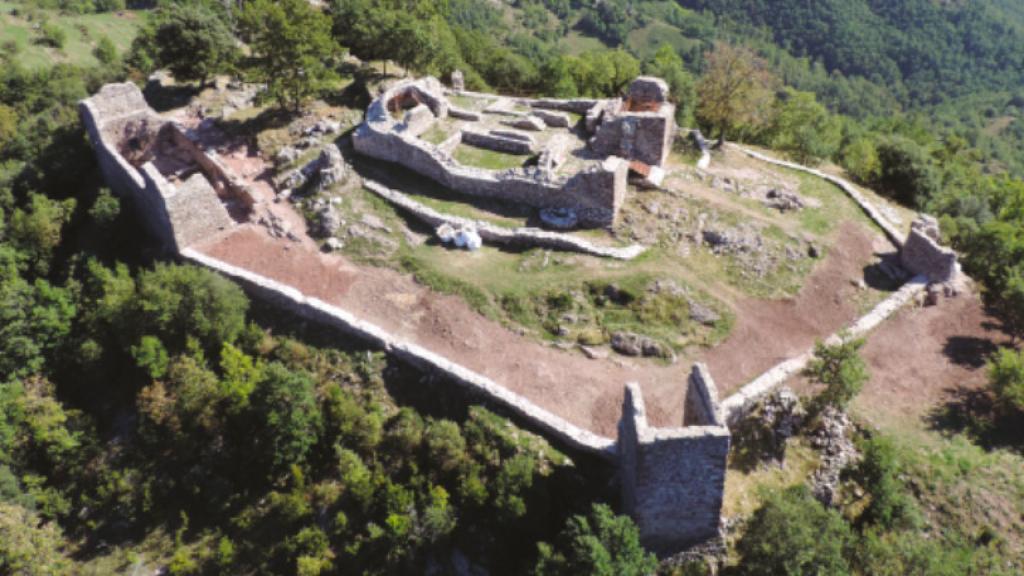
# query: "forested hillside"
[[154, 420]]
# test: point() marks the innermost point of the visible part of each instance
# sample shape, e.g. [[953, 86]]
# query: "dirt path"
[[584, 391]]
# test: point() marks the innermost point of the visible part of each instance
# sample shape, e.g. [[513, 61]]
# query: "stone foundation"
[[595, 193]]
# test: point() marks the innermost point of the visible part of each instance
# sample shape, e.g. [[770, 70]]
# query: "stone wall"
[[529, 237], [738, 405], [498, 142], [922, 254], [673, 479], [893, 233], [595, 193], [293, 301], [177, 214], [111, 109]]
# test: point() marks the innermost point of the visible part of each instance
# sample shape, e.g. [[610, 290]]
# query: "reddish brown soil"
[[925, 357], [584, 391], [770, 331]]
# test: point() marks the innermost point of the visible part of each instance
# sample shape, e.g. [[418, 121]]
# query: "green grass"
[[436, 134], [79, 46], [487, 159]]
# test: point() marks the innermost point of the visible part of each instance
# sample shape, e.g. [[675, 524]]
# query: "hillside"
[[279, 296]]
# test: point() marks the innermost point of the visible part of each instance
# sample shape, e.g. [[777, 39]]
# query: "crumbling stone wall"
[[921, 253], [640, 128], [595, 193], [127, 137], [673, 479]]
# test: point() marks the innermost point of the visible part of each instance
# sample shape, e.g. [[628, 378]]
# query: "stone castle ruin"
[[585, 177], [182, 193], [672, 478]]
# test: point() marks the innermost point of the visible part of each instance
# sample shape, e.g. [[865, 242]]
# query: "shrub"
[[792, 534], [842, 371], [52, 35]]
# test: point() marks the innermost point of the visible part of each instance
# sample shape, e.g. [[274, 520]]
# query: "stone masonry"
[[921, 253], [673, 479], [180, 193], [640, 129]]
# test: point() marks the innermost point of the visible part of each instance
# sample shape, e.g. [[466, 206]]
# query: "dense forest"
[[148, 408]]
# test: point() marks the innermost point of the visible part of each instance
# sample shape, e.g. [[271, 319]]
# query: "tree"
[[28, 546], [1006, 378], [792, 534], [879, 475], [804, 128], [840, 369], [734, 91], [288, 415], [599, 544], [667, 64], [193, 40], [860, 158], [907, 172], [176, 303], [293, 50]]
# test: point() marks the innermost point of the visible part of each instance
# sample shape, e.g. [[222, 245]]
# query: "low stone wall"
[[293, 301], [574, 105], [497, 142], [496, 234], [738, 405], [595, 193], [673, 479], [893, 233]]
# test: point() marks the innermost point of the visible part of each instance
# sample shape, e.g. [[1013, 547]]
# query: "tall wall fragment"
[[673, 479]]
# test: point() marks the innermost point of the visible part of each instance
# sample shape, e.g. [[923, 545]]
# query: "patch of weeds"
[[487, 159], [440, 282]]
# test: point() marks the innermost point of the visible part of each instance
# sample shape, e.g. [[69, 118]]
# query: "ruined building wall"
[[108, 112], [119, 121], [673, 479], [596, 193]]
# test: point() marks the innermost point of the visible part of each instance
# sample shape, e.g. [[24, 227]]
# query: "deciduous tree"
[[293, 51]]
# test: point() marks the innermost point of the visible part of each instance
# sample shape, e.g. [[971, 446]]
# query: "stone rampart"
[[738, 405], [673, 479], [293, 301], [530, 237]]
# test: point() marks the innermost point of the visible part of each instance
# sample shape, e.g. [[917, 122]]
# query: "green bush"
[[52, 35]]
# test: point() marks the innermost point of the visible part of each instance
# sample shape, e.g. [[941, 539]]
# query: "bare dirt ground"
[[923, 358], [586, 392], [770, 331]]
